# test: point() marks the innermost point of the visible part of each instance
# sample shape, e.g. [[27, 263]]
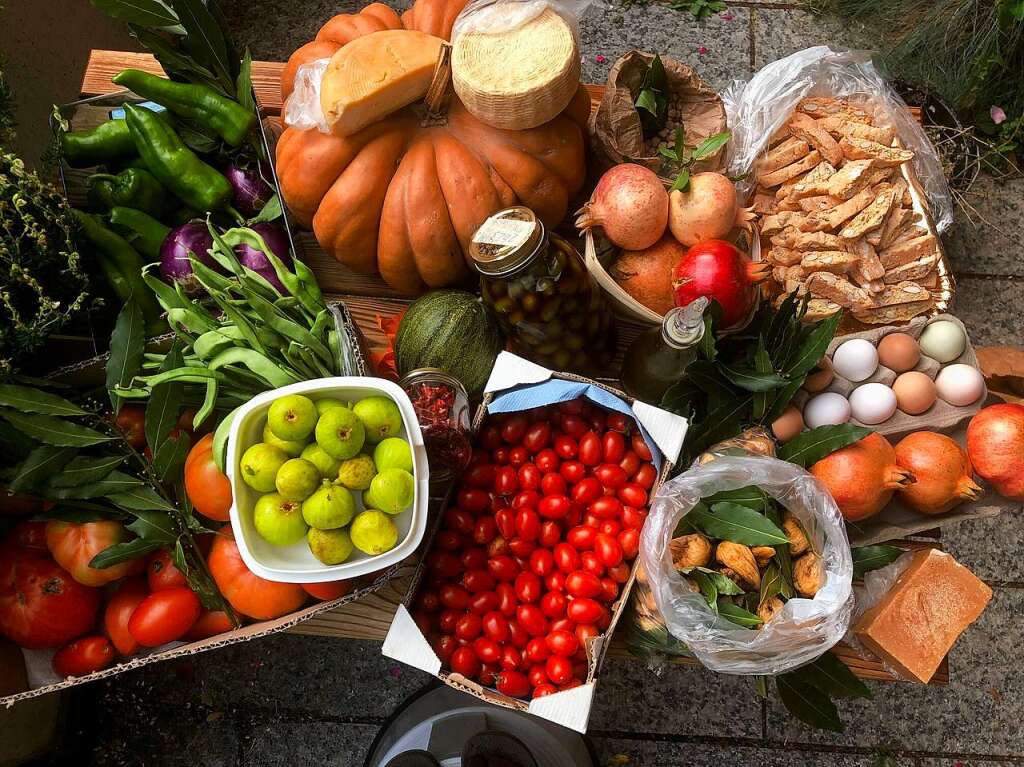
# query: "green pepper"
[[176, 166], [122, 267], [149, 234], [134, 187], [106, 142], [229, 119]]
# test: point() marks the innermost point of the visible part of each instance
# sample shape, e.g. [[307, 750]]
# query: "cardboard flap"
[[406, 643], [668, 430], [511, 370], [569, 708]]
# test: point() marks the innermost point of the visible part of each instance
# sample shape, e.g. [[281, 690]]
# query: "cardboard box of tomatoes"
[[27, 673], [530, 565]]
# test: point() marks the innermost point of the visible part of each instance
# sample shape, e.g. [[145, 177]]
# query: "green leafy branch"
[[681, 160]]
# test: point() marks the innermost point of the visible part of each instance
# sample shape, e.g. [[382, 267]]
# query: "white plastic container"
[[296, 564]]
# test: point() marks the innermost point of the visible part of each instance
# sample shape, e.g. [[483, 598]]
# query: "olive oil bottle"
[[659, 356]]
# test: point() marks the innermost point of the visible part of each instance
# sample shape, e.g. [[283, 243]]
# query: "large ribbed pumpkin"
[[403, 196]]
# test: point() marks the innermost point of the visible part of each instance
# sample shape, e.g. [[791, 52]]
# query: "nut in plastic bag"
[[759, 107], [803, 628]]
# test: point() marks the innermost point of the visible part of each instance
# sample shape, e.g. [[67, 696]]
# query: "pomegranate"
[[942, 470], [647, 274], [862, 477], [995, 446], [719, 270], [708, 209], [631, 205]]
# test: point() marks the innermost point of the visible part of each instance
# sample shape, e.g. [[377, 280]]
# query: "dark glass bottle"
[[659, 356]]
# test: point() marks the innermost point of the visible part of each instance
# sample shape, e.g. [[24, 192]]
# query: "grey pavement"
[[291, 700]]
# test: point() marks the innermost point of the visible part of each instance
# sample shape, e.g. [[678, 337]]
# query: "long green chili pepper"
[[226, 117], [149, 234], [122, 266], [177, 167], [107, 142], [133, 187]]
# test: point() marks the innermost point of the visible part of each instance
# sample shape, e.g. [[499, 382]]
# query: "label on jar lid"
[[504, 232]]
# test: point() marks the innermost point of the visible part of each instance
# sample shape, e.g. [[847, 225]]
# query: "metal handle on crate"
[[352, 361]]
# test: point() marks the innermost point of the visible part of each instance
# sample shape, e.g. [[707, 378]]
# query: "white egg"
[[856, 359], [828, 409], [873, 403], [960, 385], [943, 340]]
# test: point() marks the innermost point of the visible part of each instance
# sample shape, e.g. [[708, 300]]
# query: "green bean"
[[213, 341], [184, 374], [209, 403], [258, 363], [287, 328], [220, 438]]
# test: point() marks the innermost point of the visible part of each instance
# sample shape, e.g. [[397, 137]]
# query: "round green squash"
[[453, 331]]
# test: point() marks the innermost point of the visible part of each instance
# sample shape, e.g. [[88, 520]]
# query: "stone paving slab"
[[987, 236], [313, 743], [992, 548], [778, 33], [991, 310], [646, 753]]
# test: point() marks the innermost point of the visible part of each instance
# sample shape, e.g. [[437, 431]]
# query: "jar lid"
[[506, 241]]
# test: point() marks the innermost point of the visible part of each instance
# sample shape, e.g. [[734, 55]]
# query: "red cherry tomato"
[[646, 476], [544, 689], [633, 495], [630, 463], [553, 603], [526, 499], [490, 437], [537, 675], [629, 542], [444, 646], [161, 572], [518, 456], [497, 547], [609, 527], [590, 449], [566, 558], [500, 456], [483, 603], [487, 650], [210, 623], [585, 631], [476, 582], [488, 673], [448, 540], [609, 590], [529, 477], [573, 406], [536, 651], [505, 519], [474, 499], [537, 436], [554, 506], [581, 537], [565, 447], [84, 656], [447, 619], [574, 426], [550, 534], [479, 476], [547, 460], [128, 596], [558, 669], [553, 483], [473, 559], [531, 619], [495, 626], [606, 507], [468, 626], [562, 642], [465, 662], [592, 563], [518, 635], [453, 596], [444, 564], [561, 624], [506, 481], [588, 490], [620, 422], [611, 475], [619, 573], [511, 658], [580, 583], [592, 521], [507, 601], [514, 428], [613, 446], [640, 447], [164, 616], [527, 524], [608, 549], [584, 610], [521, 549], [485, 530], [633, 518], [542, 562], [459, 520], [528, 587], [504, 568], [572, 471]]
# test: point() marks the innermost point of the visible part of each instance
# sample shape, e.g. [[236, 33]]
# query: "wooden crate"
[[369, 298]]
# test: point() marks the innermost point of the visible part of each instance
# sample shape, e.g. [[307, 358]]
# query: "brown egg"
[[899, 352], [915, 392], [788, 425], [822, 378]]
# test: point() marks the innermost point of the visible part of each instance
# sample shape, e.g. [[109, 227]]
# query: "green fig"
[[292, 417], [278, 520], [291, 449], [340, 433], [373, 532], [380, 416], [332, 547], [259, 466], [323, 405], [297, 479], [324, 461], [329, 507], [392, 490], [393, 453], [356, 473]]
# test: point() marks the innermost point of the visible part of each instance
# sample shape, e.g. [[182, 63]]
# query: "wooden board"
[[369, 299]]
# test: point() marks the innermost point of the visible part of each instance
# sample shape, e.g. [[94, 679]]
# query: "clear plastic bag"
[[759, 107], [302, 108], [495, 16], [804, 628]]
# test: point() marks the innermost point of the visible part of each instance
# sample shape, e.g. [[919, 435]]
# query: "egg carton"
[[940, 416]]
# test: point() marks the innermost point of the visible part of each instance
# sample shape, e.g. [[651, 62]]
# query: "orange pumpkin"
[[403, 197]]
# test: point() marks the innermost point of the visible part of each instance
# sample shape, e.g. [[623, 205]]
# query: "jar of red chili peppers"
[[442, 408]]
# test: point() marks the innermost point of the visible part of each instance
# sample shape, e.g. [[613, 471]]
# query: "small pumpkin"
[[403, 196], [453, 331]]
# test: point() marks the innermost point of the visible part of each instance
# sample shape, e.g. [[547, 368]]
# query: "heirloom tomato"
[[249, 594], [74, 544], [207, 487]]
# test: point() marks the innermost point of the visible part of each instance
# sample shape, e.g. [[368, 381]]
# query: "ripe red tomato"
[[633, 518], [537, 675], [527, 524], [537, 436], [620, 422], [495, 626], [209, 624], [583, 610], [606, 507], [547, 460], [249, 594], [474, 499], [553, 483], [536, 651], [488, 673], [487, 650], [331, 590], [74, 544], [609, 590], [629, 542], [585, 631], [518, 456], [505, 481], [553, 603], [581, 537], [468, 626], [531, 619], [619, 573], [465, 662], [164, 616], [504, 568], [453, 596], [479, 476], [544, 689], [514, 428], [555, 581], [473, 559], [566, 558], [572, 471], [497, 547], [526, 499], [162, 574], [83, 656], [565, 447], [554, 506], [588, 490], [550, 533], [529, 476], [476, 582], [609, 527], [528, 587], [131, 422], [542, 562], [444, 646], [490, 437], [513, 684], [481, 604], [122, 604], [630, 463], [613, 446], [580, 583], [608, 549], [459, 520], [485, 530], [633, 494], [574, 426], [506, 521], [207, 487], [573, 406], [41, 605], [518, 635], [511, 659], [611, 475], [562, 642], [640, 447], [447, 619], [592, 563], [558, 669], [444, 564], [561, 624], [590, 449], [448, 540], [645, 476]]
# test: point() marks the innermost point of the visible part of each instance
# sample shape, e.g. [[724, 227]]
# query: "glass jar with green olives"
[[549, 306]]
